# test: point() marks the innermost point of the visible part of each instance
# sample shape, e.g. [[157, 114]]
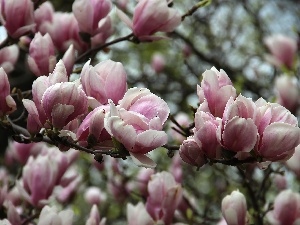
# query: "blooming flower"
[[150, 17]]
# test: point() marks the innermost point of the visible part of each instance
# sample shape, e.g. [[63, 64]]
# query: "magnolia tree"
[[149, 112]]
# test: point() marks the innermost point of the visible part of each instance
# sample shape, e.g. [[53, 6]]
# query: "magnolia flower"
[[283, 50], [164, 197], [234, 208], [88, 14], [286, 209], [278, 131], [17, 17], [137, 123], [8, 57], [138, 215], [287, 92], [150, 17], [215, 91], [41, 59], [7, 103], [50, 216], [106, 80]]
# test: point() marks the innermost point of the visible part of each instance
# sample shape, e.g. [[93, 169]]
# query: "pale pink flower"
[[215, 91], [106, 80], [150, 17], [21, 152], [44, 13], [205, 133], [94, 217], [5, 222], [88, 13], [61, 23], [36, 113], [280, 181], [8, 57], [137, 123], [138, 215], [238, 132], [287, 92], [17, 17], [286, 209], [234, 208], [164, 197], [283, 50], [41, 59], [12, 214], [176, 168], [50, 216], [39, 178], [191, 153], [64, 102], [278, 131], [91, 130], [7, 103], [94, 196], [69, 59], [105, 30]]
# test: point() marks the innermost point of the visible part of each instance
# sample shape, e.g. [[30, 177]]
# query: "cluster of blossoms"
[[228, 126]]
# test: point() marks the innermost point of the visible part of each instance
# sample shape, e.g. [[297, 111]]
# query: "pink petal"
[[240, 135], [142, 160]]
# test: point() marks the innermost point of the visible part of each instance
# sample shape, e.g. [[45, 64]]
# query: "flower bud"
[[234, 208], [7, 103], [283, 50], [106, 80], [88, 13], [17, 17], [158, 62], [8, 57], [50, 216], [41, 59]]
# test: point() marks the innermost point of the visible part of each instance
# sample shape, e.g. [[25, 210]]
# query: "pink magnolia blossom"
[[106, 80], [158, 62], [205, 133], [94, 217], [286, 209], [88, 13], [7, 103], [5, 222], [69, 59], [138, 215], [191, 153], [215, 91], [234, 208], [92, 128], [17, 17], [283, 50], [61, 23], [36, 113], [150, 17], [50, 216], [238, 132], [176, 168], [137, 123], [293, 163], [278, 131], [94, 196], [41, 59], [44, 13], [64, 102], [21, 152], [287, 92], [105, 30], [8, 57], [12, 214], [39, 177], [164, 197]]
